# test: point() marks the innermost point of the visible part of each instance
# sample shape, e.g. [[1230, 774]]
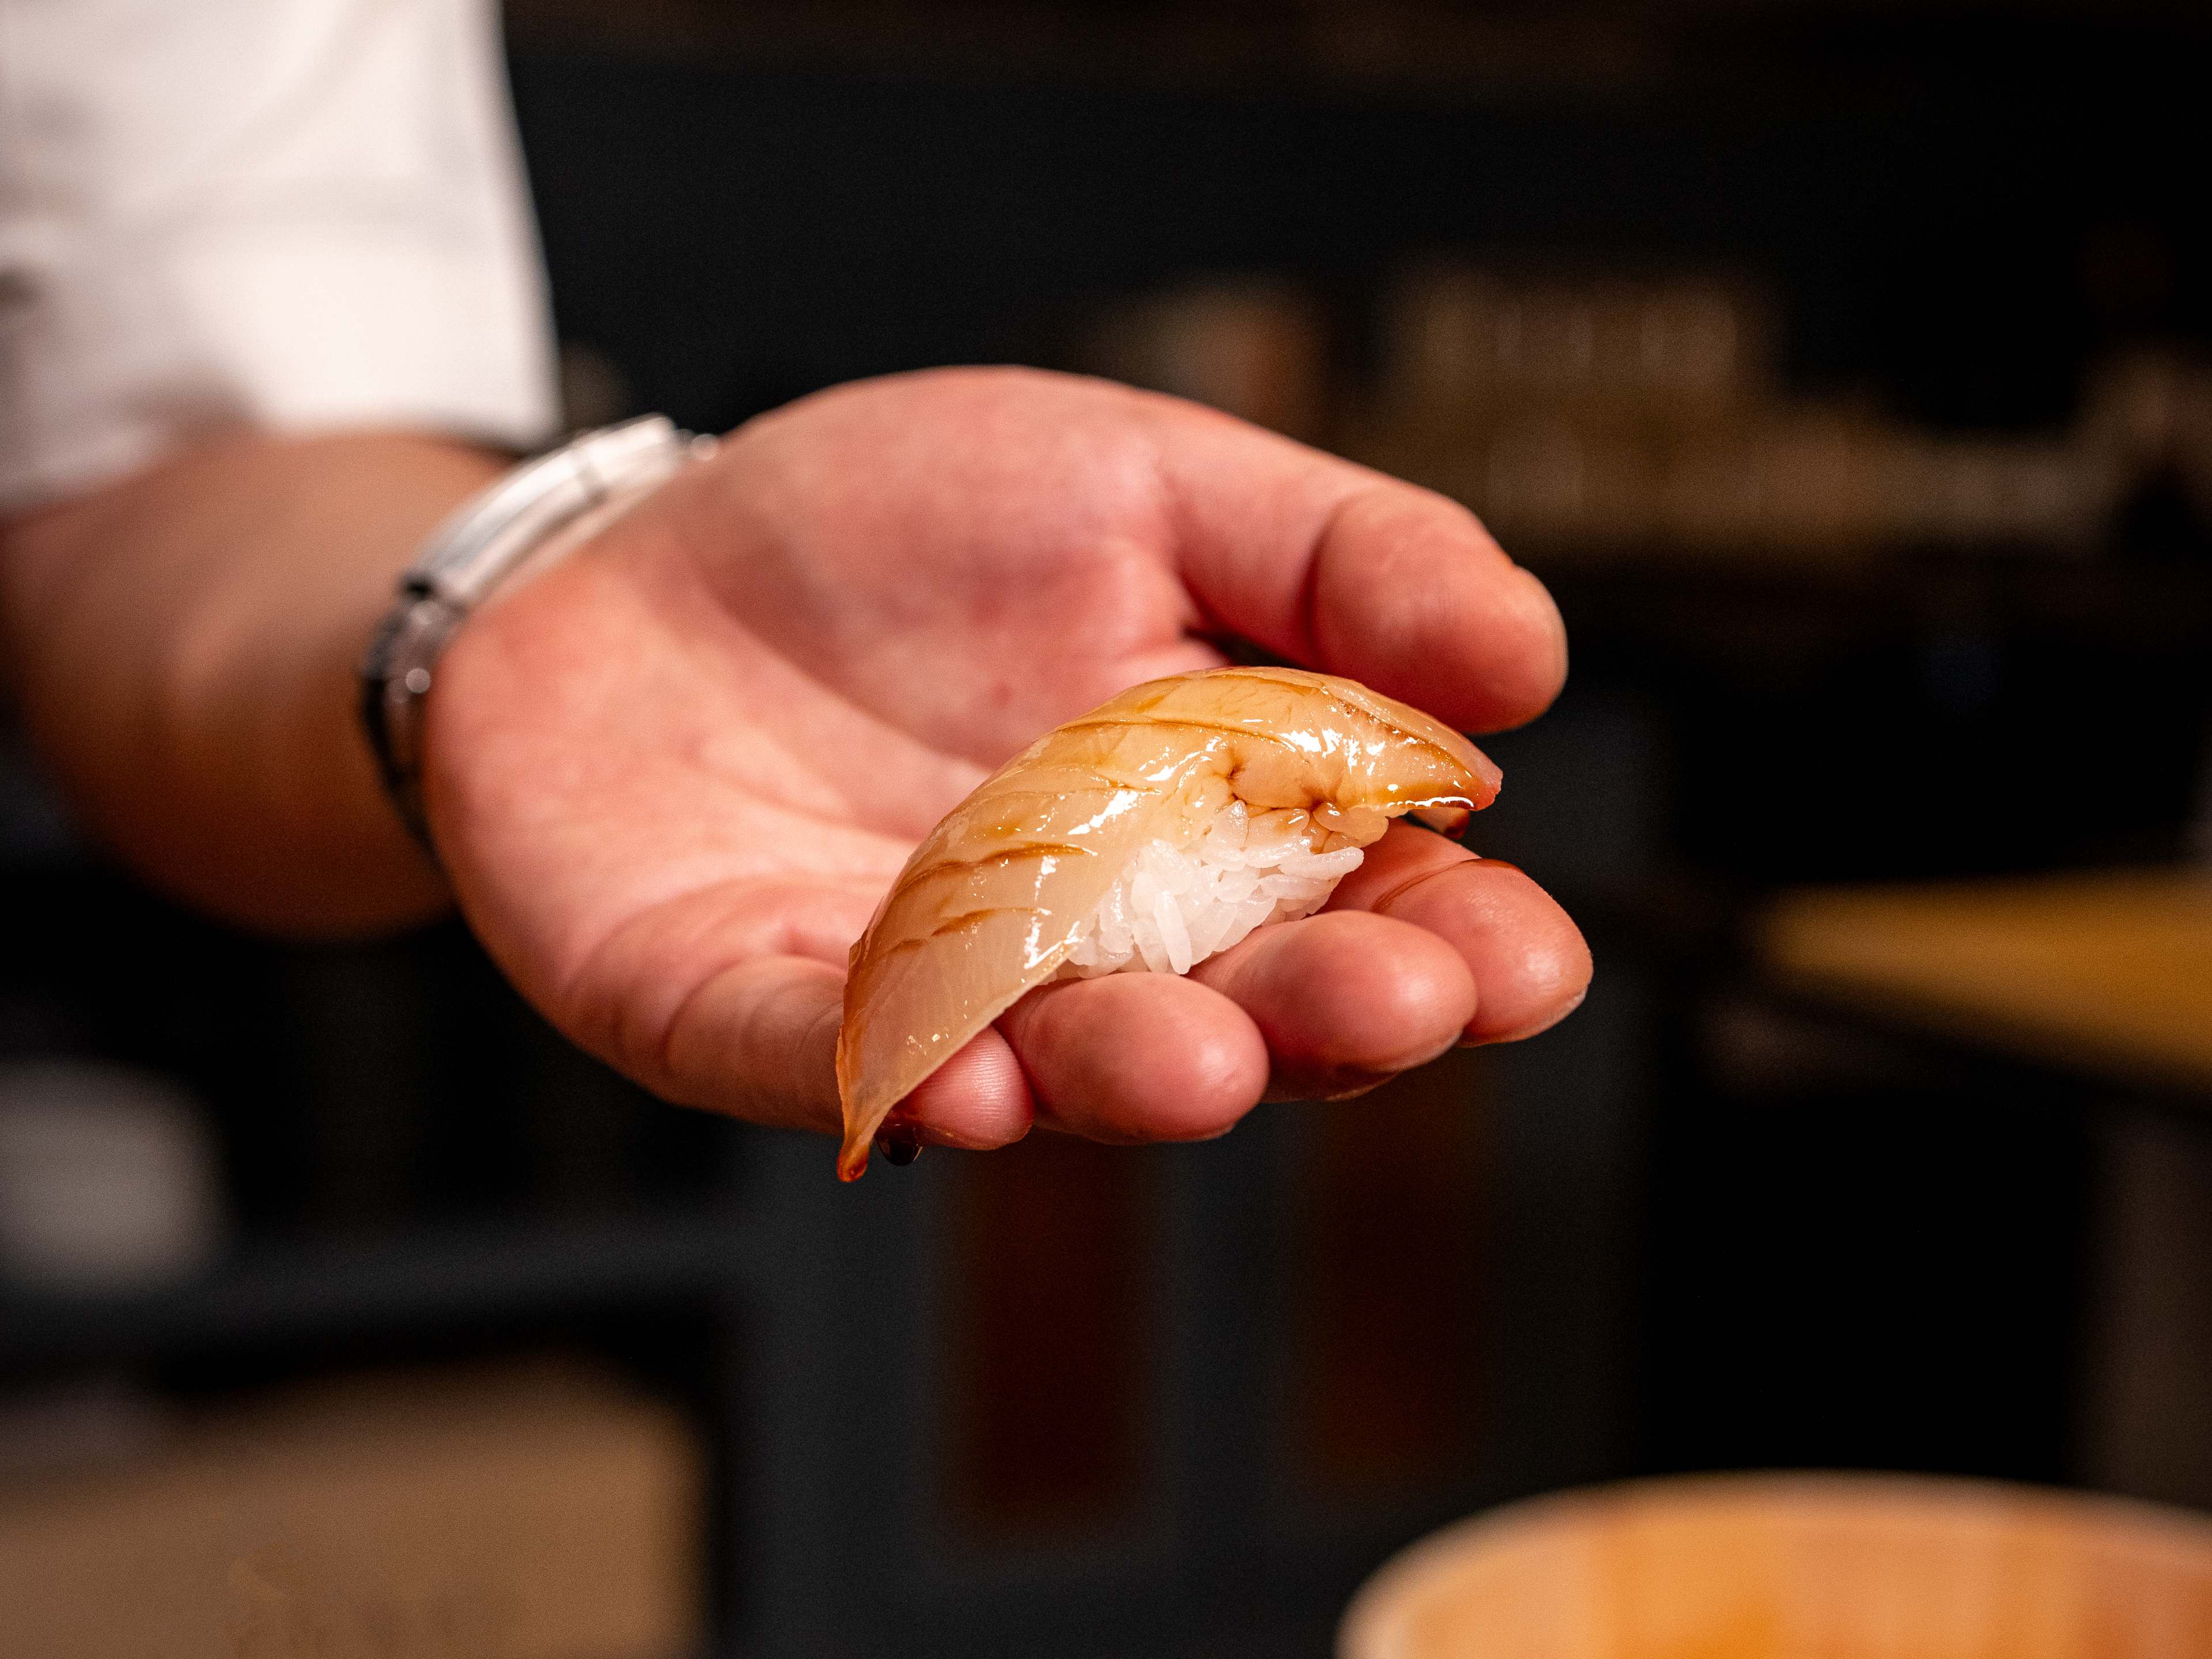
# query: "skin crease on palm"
[[672, 776]]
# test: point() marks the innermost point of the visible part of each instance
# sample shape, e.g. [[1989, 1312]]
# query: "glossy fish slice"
[[995, 900]]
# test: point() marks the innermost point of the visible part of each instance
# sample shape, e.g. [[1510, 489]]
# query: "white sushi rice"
[[1175, 906]]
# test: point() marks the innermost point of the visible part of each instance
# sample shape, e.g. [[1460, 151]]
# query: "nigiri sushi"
[[1155, 831]]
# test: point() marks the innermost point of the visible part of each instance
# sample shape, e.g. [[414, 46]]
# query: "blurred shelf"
[[1591, 46], [1419, 46], [273, 1292], [2109, 974]]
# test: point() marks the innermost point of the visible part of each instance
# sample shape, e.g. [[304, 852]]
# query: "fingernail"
[[1360, 1088], [1537, 1030], [1581, 997], [1503, 865]]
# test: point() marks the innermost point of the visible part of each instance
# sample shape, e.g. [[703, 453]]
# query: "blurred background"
[[1842, 365]]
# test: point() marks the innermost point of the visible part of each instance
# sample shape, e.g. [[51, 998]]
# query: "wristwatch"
[[570, 489]]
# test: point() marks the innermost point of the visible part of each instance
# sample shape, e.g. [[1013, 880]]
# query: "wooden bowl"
[[1798, 1567]]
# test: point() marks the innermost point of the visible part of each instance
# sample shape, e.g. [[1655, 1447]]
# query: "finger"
[[978, 1099], [758, 1040], [1137, 1057], [726, 997], [1530, 965], [1357, 573], [1344, 1000]]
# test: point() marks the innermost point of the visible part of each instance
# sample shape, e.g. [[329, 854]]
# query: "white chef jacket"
[[302, 214]]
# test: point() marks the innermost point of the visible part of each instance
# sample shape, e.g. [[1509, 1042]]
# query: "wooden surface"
[[2110, 973], [512, 1514], [1806, 1567]]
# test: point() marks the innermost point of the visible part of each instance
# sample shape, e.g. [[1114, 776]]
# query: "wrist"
[[522, 522]]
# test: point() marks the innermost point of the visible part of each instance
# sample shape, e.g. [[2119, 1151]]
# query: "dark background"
[[1182, 1400]]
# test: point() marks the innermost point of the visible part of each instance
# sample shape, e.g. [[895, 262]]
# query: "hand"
[[672, 777]]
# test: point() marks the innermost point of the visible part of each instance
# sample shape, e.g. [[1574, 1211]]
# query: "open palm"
[[672, 777]]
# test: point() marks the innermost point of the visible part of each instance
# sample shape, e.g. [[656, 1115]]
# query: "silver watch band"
[[485, 542]]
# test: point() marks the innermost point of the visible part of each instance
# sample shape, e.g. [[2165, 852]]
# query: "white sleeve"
[[303, 214]]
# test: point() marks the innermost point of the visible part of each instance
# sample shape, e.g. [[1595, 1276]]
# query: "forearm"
[[183, 646]]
